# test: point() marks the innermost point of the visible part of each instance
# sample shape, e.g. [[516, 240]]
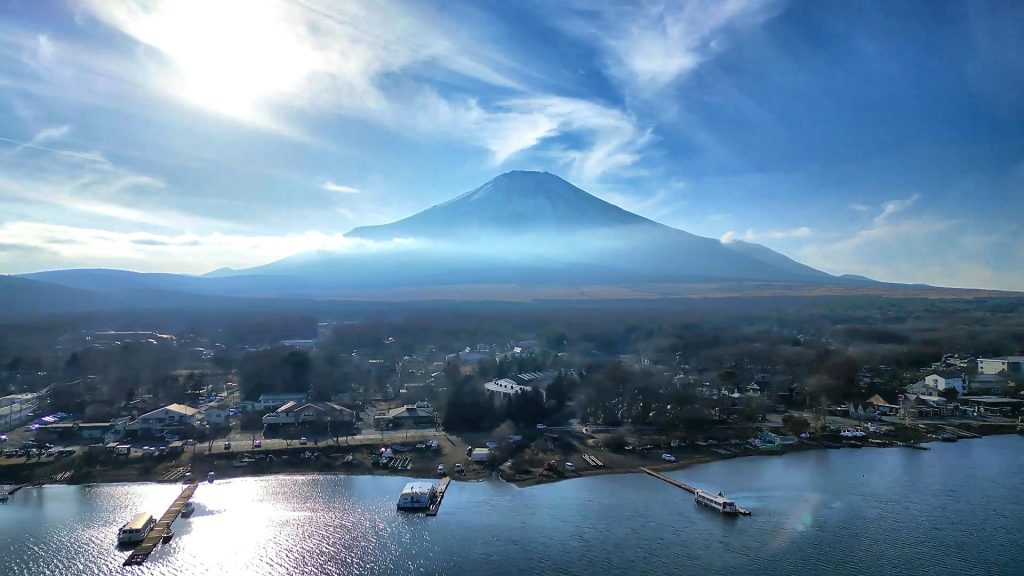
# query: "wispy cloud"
[[29, 246], [894, 245], [50, 133], [375, 62], [75, 186], [339, 188], [799, 232], [893, 207], [655, 204], [93, 156], [648, 46]]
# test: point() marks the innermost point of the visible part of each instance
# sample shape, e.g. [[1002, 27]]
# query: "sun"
[[230, 56]]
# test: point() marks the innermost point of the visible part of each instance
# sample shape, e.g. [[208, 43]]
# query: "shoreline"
[[131, 474]]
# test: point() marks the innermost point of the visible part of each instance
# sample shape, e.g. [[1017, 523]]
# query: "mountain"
[[516, 203], [535, 228], [24, 297], [529, 233]]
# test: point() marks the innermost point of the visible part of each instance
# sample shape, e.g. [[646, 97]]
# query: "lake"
[[956, 510]]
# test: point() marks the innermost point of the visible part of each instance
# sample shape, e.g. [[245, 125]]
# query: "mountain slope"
[[521, 229], [534, 227], [23, 297], [516, 203], [773, 258]]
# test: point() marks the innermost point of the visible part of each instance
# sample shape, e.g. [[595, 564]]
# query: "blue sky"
[[877, 138]]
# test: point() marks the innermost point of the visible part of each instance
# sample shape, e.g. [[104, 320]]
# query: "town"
[[389, 397]]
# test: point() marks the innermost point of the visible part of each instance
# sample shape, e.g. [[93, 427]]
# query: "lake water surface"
[[954, 510]]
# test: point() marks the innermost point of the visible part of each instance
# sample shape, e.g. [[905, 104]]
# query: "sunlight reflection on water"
[[812, 512]]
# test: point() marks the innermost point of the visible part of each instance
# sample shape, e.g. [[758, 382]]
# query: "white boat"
[[136, 529], [717, 502], [187, 509], [417, 496]]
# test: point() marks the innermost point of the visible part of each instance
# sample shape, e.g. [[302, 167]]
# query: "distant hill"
[[24, 297]]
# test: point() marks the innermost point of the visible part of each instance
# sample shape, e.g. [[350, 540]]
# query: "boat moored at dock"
[[136, 529], [717, 502], [417, 496]]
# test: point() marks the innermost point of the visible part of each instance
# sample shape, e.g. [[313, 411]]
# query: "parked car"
[[227, 445], [303, 441], [257, 443], [459, 469], [3, 437], [668, 458], [570, 467], [440, 470]]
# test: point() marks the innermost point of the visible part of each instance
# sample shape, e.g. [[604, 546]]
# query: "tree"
[[558, 393], [796, 424]]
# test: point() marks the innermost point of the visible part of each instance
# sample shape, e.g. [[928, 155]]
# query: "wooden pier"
[[959, 432], [142, 551], [441, 489], [685, 486]]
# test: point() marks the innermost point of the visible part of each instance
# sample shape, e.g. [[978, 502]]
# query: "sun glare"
[[230, 56]]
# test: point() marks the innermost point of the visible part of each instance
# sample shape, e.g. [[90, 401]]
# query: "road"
[[241, 441]]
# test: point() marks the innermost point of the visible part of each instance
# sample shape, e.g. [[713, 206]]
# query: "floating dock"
[[142, 551], [685, 486], [441, 489]]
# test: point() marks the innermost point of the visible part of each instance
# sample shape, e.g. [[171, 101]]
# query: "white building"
[[1012, 364], [506, 387], [310, 412], [304, 345], [939, 383], [216, 416], [274, 400], [24, 399], [170, 418]]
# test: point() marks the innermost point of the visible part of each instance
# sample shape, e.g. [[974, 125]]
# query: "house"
[[1008, 364], [409, 416], [994, 405], [992, 384], [473, 358], [75, 431], [882, 406], [311, 414], [273, 400], [480, 455], [217, 417], [505, 388], [925, 406], [175, 418], [939, 383]]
